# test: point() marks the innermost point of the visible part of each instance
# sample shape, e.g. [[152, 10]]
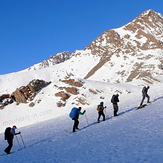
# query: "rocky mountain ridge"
[[133, 51], [138, 46], [56, 59]]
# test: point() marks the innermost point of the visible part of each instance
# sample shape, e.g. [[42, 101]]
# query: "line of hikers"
[[75, 112]]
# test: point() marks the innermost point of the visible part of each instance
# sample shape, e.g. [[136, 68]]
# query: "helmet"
[[14, 127]]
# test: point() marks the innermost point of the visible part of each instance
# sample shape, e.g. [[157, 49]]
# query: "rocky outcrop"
[[53, 60], [73, 82], [27, 93], [67, 92], [64, 96], [5, 99]]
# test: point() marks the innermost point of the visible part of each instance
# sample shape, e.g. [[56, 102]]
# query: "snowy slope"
[[103, 68], [134, 136]]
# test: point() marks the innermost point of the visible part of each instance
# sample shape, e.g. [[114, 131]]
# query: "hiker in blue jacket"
[[76, 119]]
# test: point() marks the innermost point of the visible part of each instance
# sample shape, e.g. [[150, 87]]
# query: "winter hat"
[[101, 103], [14, 127]]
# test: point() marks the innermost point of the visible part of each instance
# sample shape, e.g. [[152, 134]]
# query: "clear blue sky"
[[33, 30]]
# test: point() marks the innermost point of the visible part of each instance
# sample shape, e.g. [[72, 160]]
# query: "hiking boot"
[[7, 151]]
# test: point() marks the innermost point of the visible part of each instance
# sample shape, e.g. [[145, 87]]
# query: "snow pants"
[[10, 144], [144, 96], [115, 107], [101, 113], [76, 123]]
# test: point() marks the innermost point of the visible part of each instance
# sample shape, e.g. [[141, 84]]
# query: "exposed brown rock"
[[71, 90], [27, 93], [64, 96], [4, 96], [73, 82], [32, 104], [60, 104], [92, 91]]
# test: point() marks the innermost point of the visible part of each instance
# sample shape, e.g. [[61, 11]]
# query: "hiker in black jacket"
[[9, 135], [115, 101], [145, 94], [100, 109]]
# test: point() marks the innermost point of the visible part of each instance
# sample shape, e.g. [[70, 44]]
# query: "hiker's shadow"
[[127, 111], [124, 112], [94, 123], [136, 107], [157, 99]]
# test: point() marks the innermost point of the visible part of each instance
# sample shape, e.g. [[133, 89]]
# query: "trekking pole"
[[105, 110], [22, 140], [18, 141], [86, 119]]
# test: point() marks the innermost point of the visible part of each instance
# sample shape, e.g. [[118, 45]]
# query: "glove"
[[19, 133], [84, 111]]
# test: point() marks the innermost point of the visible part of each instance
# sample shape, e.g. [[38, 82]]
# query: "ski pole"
[[18, 141], [105, 110], [86, 119], [22, 140]]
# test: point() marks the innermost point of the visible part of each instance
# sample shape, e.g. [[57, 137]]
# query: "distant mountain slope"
[[133, 51], [56, 59]]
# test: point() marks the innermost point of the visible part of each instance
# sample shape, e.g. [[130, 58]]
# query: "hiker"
[[76, 118], [145, 94], [9, 135], [100, 109], [115, 101]]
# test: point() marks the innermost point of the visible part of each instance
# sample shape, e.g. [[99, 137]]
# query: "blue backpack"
[[73, 113]]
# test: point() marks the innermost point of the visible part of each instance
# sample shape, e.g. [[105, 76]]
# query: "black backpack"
[[113, 99], [144, 89], [7, 134]]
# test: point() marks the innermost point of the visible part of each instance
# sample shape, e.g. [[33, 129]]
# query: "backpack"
[[144, 89], [113, 99], [7, 134], [73, 113], [99, 108]]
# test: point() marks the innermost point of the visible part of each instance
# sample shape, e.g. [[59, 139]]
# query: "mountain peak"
[[138, 44], [150, 13], [133, 51]]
